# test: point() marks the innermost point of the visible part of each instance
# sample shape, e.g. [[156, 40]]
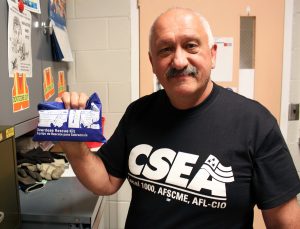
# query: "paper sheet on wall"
[[19, 41], [20, 93], [61, 84], [31, 5], [57, 12], [61, 43], [224, 60]]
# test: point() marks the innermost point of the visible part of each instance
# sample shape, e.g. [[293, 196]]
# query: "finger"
[[82, 100], [74, 100], [58, 99], [65, 98]]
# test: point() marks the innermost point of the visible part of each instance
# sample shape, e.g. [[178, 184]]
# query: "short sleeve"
[[275, 178]]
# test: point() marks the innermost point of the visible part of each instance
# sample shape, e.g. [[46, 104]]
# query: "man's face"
[[179, 42]]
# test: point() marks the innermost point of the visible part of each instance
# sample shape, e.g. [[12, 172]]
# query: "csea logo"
[[147, 169]]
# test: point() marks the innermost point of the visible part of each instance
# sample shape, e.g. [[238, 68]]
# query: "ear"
[[150, 59], [213, 51]]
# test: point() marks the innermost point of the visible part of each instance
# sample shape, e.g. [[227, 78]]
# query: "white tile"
[[70, 9], [101, 8], [119, 95], [90, 88], [113, 197], [111, 122], [296, 31], [123, 208], [296, 6], [124, 194], [293, 131], [294, 91], [113, 215], [294, 149], [97, 66], [87, 34], [119, 33], [104, 222], [295, 70], [71, 73], [118, 213]]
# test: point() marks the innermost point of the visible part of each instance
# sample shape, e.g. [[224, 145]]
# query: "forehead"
[[177, 24]]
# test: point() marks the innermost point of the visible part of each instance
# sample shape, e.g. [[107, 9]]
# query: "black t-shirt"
[[204, 167]]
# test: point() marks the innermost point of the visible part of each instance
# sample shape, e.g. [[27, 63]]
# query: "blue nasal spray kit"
[[59, 124]]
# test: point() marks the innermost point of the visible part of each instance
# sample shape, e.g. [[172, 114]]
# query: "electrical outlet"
[[293, 112]]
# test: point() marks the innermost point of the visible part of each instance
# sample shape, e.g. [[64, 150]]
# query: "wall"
[[100, 38], [293, 130]]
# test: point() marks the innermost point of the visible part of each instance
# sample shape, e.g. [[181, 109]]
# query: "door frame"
[[287, 66]]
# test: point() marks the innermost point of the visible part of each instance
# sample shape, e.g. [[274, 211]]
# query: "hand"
[[73, 100]]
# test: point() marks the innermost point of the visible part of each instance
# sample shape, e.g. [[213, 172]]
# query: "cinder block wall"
[[293, 136], [99, 33]]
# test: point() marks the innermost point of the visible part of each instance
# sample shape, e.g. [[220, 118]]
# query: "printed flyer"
[[19, 41]]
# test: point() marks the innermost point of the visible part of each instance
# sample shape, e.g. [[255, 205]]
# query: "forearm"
[[90, 169], [285, 216]]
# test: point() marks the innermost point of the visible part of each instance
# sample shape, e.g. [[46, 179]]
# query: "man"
[[196, 155]]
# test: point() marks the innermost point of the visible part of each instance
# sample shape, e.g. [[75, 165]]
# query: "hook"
[[47, 29]]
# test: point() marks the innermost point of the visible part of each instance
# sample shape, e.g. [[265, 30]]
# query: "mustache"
[[190, 70]]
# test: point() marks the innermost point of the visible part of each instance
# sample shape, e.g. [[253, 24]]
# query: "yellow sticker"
[[1, 137], [10, 132]]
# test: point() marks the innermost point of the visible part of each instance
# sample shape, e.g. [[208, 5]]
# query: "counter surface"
[[61, 201]]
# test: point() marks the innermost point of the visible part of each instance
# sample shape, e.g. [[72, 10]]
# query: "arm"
[[285, 216], [88, 167]]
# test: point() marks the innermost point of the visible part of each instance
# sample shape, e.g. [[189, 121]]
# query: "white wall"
[[293, 128], [100, 37], [291, 79]]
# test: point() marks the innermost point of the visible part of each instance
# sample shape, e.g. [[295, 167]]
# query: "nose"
[[180, 60]]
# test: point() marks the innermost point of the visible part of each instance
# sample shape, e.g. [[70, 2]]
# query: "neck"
[[190, 101]]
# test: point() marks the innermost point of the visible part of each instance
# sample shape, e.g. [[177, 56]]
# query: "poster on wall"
[[61, 48], [19, 41], [224, 60], [57, 12], [48, 84], [61, 86], [31, 5], [20, 93]]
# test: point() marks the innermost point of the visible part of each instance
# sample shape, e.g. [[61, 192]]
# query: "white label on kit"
[[71, 118]]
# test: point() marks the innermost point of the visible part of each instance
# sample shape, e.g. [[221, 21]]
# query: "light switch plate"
[[293, 112]]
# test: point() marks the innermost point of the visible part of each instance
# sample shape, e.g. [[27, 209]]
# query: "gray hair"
[[202, 20]]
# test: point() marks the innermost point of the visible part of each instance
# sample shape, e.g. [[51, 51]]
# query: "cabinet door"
[[9, 198], [26, 120]]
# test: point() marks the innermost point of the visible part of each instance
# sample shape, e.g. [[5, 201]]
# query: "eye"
[[164, 51], [191, 46]]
